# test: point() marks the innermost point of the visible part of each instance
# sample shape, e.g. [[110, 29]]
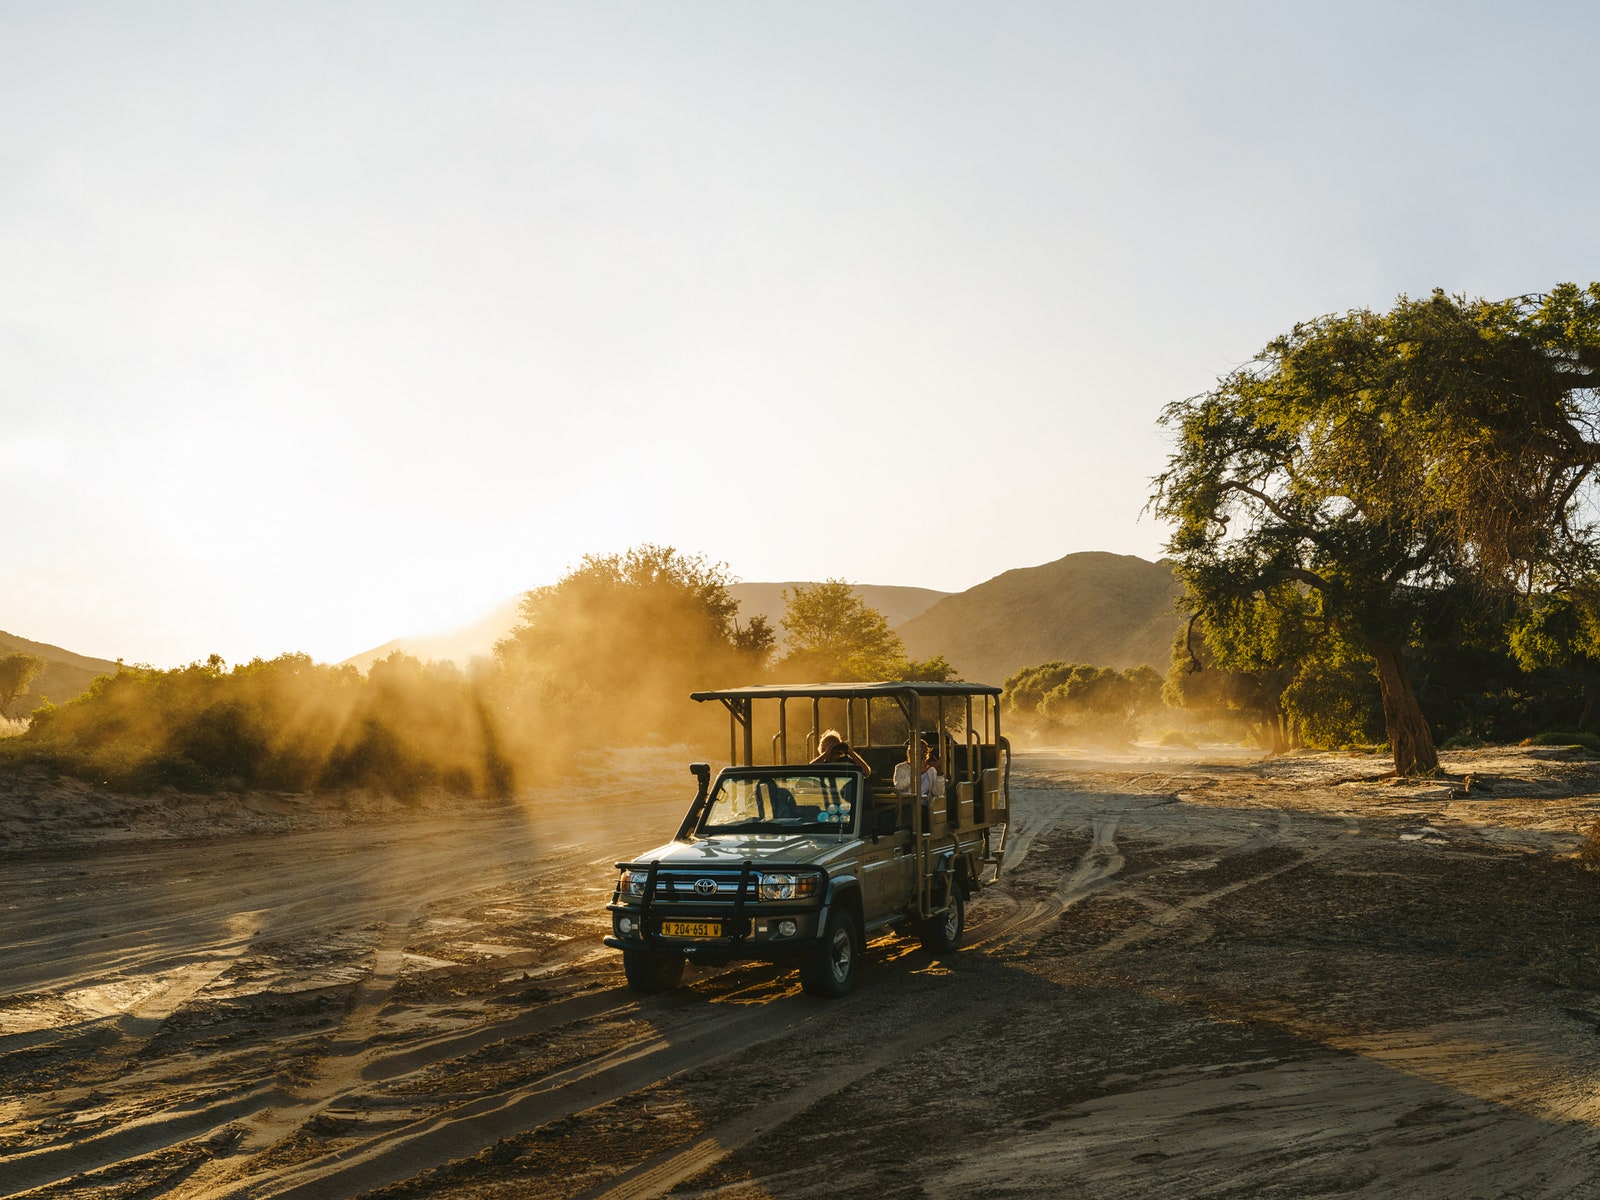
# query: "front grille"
[[700, 885]]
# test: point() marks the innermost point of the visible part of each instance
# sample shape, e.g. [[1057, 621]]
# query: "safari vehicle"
[[793, 860]]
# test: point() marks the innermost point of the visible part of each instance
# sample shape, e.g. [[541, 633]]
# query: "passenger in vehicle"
[[932, 782], [930, 772], [831, 748]]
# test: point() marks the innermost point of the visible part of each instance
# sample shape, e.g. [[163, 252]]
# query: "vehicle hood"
[[733, 849]]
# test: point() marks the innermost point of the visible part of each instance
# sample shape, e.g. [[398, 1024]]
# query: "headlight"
[[786, 886], [633, 882], [776, 887]]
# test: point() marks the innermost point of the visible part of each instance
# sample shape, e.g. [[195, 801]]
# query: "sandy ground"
[[1207, 977]]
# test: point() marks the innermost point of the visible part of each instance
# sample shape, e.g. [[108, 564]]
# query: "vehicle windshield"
[[807, 801]]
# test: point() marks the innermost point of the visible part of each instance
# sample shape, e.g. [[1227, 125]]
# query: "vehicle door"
[[886, 880]]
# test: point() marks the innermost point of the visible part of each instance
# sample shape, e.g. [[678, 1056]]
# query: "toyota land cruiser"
[[803, 861]]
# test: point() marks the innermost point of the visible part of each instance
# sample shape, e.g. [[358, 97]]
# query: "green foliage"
[[1588, 741], [1559, 635], [923, 670], [1022, 693], [285, 723], [754, 642], [1557, 631], [1250, 698], [612, 650], [1334, 704], [17, 674], [1378, 461], [1078, 700], [833, 634]]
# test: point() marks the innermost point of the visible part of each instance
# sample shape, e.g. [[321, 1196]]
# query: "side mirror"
[[883, 822]]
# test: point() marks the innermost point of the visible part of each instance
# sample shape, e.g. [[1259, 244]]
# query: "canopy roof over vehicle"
[[916, 705], [848, 691]]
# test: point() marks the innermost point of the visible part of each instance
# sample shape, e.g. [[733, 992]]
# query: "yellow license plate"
[[691, 929]]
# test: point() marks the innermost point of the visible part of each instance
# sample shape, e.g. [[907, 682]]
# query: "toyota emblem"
[[706, 887]]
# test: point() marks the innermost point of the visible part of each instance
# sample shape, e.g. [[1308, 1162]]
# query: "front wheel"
[[829, 967], [942, 933], [650, 974]]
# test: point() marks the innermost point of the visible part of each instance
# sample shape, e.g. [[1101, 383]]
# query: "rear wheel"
[[829, 967], [649, 973], [942, 933]]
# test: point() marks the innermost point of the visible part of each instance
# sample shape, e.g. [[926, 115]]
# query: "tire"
[[650, 974], [829, 968], [942, 934]]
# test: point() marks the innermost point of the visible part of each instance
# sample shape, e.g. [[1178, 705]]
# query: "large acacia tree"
[[1376, 462]]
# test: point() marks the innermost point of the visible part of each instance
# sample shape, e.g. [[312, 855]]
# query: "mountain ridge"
[[1095, 607]]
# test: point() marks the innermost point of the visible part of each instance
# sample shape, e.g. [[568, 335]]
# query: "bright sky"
[[327, 323]]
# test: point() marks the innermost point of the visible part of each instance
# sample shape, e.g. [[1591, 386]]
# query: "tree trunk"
[[1409, 736], [1270, 733]]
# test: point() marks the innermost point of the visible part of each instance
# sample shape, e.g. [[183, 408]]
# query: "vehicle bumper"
[[759, 935]]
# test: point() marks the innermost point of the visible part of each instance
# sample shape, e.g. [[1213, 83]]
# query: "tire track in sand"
[[468, 1128], [1100, 866]]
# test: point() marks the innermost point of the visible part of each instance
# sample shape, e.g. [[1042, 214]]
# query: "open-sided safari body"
[[790, 860]]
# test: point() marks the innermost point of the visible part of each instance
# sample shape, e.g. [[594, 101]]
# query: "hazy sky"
[[327, 323]]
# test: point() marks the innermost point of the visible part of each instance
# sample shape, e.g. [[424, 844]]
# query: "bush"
[[286, 724], [1587, 741], [168, 770], [1094, 703]]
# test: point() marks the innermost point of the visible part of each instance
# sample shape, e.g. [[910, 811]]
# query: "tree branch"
[[1303, 575], [1271, 505]]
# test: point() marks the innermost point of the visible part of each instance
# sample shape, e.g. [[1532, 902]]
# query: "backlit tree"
[[1376, 460]]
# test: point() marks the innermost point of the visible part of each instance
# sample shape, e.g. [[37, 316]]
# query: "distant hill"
[[461, 646], [1110, 610], [67, 677]]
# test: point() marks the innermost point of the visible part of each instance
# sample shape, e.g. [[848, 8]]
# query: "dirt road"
[[1217, 977]]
